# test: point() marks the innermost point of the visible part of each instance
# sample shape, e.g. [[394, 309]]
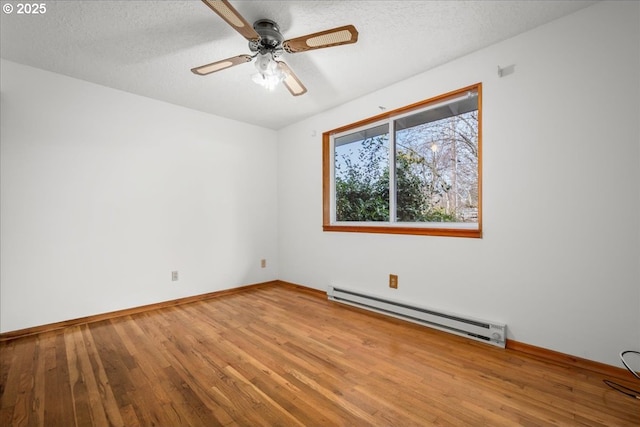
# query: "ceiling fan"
[[267, 44]]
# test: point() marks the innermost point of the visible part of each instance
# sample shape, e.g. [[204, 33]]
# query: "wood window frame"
[[399, 229]]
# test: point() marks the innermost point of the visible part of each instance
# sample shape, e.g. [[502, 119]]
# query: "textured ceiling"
[[148, 47]]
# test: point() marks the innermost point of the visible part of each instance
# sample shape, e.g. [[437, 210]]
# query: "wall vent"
[[480, 330]]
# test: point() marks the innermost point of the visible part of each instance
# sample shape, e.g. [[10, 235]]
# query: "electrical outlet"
[[393, 281], [263, 263], [174, 276]]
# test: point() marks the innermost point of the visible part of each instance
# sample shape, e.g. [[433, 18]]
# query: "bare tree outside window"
[[437, 169]]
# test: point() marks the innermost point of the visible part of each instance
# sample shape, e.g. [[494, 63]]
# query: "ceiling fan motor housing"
[[270, 37]]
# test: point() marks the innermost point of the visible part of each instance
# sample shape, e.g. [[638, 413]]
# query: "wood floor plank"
[[10, 375], [58, 408], [107, 398], [113, 362], [279, 355], [85, 391], [37, 418], [25, 384]]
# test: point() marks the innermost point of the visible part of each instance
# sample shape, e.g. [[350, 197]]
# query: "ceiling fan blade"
[[328, 38], [291, 81], [233, 18], [203, 70]]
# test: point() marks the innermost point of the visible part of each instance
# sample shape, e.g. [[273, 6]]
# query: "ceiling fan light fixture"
[[269, 74], [268, 82]]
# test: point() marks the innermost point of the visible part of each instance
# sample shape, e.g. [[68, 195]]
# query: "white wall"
[[561, 179], [105, 193]]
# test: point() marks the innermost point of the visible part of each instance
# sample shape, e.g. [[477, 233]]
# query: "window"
[[415, 170]]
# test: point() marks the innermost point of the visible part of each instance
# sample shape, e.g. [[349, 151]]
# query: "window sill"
[[418, 231]]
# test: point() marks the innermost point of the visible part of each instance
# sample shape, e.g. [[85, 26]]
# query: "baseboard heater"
[[480, 330]]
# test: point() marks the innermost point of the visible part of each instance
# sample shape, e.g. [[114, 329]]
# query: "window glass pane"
[[437, 163], [361, 164]]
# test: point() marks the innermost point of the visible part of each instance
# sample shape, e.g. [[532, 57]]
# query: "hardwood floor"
[[281, 356]]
